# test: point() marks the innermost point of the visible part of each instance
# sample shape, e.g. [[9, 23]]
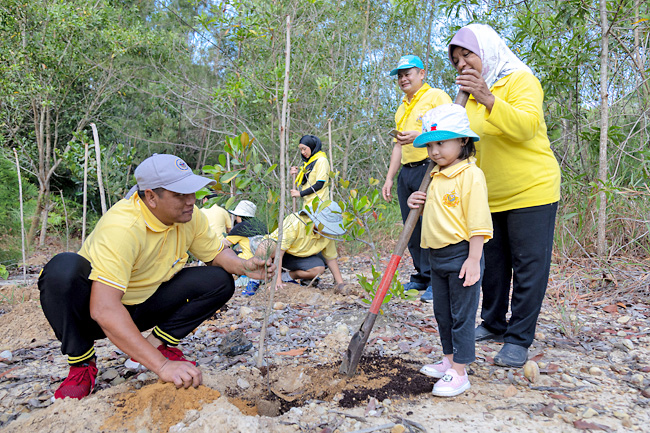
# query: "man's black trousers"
[[174, 310]]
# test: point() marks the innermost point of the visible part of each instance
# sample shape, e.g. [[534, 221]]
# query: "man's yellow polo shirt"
[[456, 207], [296, 241], [514, 151], [425, 99], [219, 220], [132, 251]]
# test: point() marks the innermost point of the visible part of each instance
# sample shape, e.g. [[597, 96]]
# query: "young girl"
[[455, 224]]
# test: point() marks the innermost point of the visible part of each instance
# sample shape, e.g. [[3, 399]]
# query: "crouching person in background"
[[305, 252]]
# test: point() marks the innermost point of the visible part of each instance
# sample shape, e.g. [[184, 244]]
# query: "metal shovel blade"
[[355, 348]]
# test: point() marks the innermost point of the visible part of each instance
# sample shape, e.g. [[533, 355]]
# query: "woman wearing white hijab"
[[523, 177]]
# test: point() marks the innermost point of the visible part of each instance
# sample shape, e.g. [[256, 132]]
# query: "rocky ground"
[[589, 369]]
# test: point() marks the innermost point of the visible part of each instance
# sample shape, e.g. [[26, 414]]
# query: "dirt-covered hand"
[[259, 269], [181, 373]]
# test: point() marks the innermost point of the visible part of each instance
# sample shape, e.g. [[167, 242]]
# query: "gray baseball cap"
[[169, 172]]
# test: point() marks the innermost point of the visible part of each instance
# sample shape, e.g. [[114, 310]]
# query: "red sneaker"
[[79, 383], [173, 353]]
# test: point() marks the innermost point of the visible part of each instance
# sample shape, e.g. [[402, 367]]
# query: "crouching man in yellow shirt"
[[305, 253], [129, 277]]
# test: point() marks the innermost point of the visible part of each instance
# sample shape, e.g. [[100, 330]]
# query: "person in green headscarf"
[[313, 177]]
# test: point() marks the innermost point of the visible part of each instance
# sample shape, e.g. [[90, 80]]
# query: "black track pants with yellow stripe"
[[176, 308]]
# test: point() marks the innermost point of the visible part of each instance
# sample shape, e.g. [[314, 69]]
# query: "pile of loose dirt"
[[161, 404]]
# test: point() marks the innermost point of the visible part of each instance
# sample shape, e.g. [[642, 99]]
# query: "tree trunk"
[[604, 127]]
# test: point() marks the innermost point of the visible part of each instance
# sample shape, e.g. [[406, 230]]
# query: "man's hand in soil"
[[181, 373]]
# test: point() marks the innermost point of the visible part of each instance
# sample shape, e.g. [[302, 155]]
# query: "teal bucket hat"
[[444, 122]]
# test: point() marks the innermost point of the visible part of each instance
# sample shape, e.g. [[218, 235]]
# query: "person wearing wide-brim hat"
[[505, 109], [305, 254], [129, 276], [245, 236], [410, 161]]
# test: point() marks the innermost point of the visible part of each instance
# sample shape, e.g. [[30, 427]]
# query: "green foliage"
[[4, 274], [395, 290]]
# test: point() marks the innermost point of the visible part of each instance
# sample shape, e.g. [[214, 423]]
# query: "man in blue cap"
[[418, 98]]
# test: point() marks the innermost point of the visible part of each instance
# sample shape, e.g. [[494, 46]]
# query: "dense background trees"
[[182, 76]]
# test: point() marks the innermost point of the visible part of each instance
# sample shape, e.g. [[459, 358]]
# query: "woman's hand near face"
[[471, 81], [293, 170]]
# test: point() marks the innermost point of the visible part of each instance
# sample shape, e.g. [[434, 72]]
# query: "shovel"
[[360, 338]]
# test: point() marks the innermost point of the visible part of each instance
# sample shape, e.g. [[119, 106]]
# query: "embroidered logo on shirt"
[[451, 199]]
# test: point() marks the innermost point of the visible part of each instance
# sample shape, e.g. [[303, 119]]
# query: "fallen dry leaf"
[[293, 352], [613, 308], [559, 396], [537, 357]]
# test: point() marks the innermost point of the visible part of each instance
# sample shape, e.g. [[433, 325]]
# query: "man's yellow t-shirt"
[[456, 207], [409, 118], [296, 241], [132, 251]]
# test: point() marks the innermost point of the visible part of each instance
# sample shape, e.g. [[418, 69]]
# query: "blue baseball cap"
[[444, 122], [407, 62]]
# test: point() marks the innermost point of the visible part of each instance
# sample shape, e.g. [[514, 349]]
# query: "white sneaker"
[[451, 384], [437, 369], [134, 365]]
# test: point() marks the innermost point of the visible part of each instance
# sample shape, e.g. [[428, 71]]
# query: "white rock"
[[567, 378], [595, 371], [6, 355], [589, 413], [243, 383], [283, 330], [621, 333], [637, 379], [143, 377], [245, 311], [279, 306], [628, 343], [623, 319], [342, 330], [620, 415]]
